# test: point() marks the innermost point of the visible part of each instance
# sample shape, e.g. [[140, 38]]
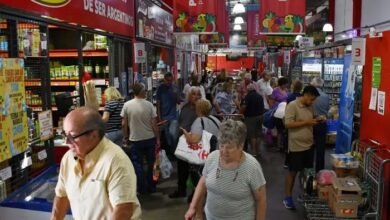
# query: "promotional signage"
[[45, 125], [282, 17], [13, 114], [154, 23], [115, 16], [358, 51], [306, 42], [200, 16], [139, 52], [253, 29]]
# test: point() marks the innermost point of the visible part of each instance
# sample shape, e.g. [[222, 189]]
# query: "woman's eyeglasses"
[[71, 138]]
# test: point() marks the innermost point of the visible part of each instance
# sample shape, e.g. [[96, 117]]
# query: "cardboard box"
[[345, 197], [323, 192], [346, 172]]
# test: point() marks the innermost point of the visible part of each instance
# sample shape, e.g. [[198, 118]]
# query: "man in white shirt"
[[265, 88]]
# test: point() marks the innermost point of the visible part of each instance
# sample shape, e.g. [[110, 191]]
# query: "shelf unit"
[[311, 67]]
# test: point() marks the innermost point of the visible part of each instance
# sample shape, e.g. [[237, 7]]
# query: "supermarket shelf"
[[38, 108], [74, 53], [64, 82]]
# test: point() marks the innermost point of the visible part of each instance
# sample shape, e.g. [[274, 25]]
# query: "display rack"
[[333, 76]]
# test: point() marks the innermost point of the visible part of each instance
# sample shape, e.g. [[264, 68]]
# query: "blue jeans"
[[171, 132], [115, 136], [139, 150]]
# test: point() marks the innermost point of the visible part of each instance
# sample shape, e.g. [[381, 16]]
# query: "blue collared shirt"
[[321, 104]]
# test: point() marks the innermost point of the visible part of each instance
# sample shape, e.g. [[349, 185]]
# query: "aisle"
[[159, 206]]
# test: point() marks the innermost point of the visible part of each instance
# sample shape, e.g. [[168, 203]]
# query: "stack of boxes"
[[344, 197]]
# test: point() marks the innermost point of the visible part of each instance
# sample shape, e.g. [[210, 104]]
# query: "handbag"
[[196, 153]]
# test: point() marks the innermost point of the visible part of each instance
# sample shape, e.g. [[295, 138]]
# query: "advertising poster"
[[153, 22], [282, 17], [13, 109], [46, 125]]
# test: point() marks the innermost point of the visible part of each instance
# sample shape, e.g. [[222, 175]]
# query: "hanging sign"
[[113, 16], [13, 114], [139, 52], [282, 17], [358, 51], [376, 71]]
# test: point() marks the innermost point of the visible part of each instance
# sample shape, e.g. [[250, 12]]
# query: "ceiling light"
[[237, 27], [328, 27], [238, 20], [238, 8]]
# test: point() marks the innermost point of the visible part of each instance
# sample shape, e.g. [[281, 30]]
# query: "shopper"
[[140, 129], [233, 180], [186, 118], [264, 85], [244, 84], [167, 98], [280, 93], [297, 87], [193, 82], [96, 178], [253, 109], [224, 102], [204, 121], [111, 115], [299, 120], [321, 109]]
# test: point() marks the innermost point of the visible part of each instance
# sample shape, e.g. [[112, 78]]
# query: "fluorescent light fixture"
[[238, 8], [238, 20], [328, 27], [237, 27], [298, 37]]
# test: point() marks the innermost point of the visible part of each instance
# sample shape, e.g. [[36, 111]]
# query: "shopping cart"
[[376, 161], [225, 117]]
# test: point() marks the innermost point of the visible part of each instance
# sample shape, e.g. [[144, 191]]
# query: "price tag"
[[26, 43], [26, 162], [5, 173], [42, 155], [44, 45]]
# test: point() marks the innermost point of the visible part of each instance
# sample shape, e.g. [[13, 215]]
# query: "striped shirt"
[[231, 193], [114, 107]]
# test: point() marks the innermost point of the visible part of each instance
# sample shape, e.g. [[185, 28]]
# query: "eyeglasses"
[[218, 174], [71, 138]]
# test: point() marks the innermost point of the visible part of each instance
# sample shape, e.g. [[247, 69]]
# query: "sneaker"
[[289, 203], [176, 195]]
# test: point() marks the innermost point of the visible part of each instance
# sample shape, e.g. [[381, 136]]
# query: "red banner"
[[199, 15], [253, 29], [113, 16], [282, 17]]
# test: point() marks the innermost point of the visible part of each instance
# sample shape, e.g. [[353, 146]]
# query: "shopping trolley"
[[376, 161], [225, 117]]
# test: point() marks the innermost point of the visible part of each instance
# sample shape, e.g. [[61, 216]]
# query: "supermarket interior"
[[304, 77]]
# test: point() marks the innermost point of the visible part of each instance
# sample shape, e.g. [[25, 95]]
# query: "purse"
[[196, 153]]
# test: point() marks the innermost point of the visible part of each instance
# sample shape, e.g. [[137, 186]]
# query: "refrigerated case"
[[311, 67]]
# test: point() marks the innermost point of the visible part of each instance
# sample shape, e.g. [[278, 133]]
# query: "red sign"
[[282, 17], [200, 15], [114, 16], [253, 30]]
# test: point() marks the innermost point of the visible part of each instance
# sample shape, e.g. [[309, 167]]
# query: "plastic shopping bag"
[[165, 165]]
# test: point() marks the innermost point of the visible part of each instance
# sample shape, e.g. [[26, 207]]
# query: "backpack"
[[268, 118]]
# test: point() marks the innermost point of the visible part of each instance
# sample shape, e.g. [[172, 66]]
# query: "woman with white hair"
[[186, 118], [233, 180]]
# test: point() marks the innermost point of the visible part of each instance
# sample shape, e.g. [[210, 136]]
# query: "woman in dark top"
[[186, 118], [296, 91], [253, 108], [111, 115]]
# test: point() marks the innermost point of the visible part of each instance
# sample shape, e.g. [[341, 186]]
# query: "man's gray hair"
[[232, 132], [317, 82]]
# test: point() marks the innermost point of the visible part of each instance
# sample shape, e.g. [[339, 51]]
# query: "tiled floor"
[[159, 206]]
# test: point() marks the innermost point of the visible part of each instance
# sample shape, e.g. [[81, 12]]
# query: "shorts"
[[254, 126], [298, 161]]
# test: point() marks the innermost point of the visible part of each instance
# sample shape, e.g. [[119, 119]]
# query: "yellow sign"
[[13, 109]]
